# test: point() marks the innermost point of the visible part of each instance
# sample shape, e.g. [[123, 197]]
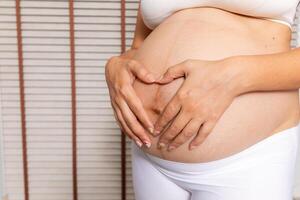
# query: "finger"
[[189, 130], [126, 129], [202, 134], [172, 73], [137, 107], [170, 111], [118, 120], [121, 122], [174, 129], [133, 123], [115, 111], [141, 72]]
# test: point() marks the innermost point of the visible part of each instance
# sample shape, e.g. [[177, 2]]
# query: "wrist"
[[240, 70]]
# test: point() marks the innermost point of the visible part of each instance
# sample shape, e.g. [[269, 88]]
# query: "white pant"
[[264, 171]]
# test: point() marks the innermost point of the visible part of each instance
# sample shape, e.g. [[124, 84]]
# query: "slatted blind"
[[131, 13], [46, 50], [295, 42]]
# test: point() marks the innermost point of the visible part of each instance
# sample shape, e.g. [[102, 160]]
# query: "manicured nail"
[[151, 78], [192, 147], [151, 130], [148, 144], [139, 143], [161, 145], [171, 148], [159, 78], [156, 132]]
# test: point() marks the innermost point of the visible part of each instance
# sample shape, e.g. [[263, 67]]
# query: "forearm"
[[267, 72], [129, 53]]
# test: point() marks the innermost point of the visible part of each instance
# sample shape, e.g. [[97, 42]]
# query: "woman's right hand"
[[120, 73]]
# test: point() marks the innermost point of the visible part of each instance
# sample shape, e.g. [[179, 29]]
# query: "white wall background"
[[48, 98]]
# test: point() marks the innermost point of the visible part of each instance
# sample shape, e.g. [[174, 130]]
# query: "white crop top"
[[283, 11]]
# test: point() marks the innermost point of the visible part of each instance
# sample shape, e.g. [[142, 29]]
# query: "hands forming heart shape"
[[207, 91]]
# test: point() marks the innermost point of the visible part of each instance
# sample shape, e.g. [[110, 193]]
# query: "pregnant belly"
[[252, 116]]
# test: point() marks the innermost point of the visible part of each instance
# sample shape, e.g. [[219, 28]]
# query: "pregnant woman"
[[209, 94]]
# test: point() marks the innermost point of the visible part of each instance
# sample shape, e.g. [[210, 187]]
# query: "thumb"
[[172, 73], [141, 72]]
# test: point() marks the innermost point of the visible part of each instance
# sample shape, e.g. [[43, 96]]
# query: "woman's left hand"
[[207, 91]]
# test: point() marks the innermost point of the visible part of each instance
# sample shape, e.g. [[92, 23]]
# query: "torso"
[[209, 34]]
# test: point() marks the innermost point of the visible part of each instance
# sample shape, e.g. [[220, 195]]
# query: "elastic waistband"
[[277, 141], [281, 22]]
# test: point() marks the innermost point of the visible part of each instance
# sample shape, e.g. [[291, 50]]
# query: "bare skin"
[[212, 34]]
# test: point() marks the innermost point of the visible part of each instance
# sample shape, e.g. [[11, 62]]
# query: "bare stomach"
[[210, 34]]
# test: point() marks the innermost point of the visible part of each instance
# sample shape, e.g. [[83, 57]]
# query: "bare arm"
[[278, 71], [120, 72], [195, 105]]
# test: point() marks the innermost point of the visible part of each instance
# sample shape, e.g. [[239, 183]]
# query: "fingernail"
[[159, 78], [138, 143], [161, 145], [171, 148], [148, 144], [156, 132], [151, 130], [151, 78], [192, 147]]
